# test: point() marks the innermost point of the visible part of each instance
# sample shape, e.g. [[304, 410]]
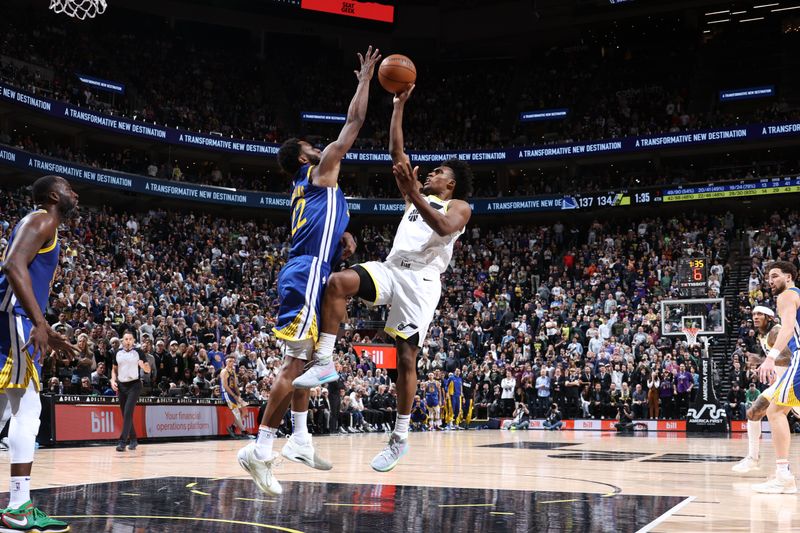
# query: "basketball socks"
[[753, 436], [401, 426], [266, 436], [20, 489], [325, 345], [782, 467], [300, 426]]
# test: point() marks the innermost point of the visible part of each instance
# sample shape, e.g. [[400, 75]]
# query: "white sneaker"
[[777, 485], [318, 374], [259, 469], [304, 453], [746, 465]]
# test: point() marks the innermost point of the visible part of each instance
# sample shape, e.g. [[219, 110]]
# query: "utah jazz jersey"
[[42, 270], [319, 219], [17, 366]]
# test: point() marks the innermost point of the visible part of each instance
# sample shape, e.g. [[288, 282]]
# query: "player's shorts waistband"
[[399, 262], [308, 256]]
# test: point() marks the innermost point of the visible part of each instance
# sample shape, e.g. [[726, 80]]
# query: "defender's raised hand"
[[368, 62]]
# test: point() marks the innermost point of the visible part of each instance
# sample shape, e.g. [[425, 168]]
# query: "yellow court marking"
[[498, 512], [190, 485], [560, 501], [354, 504], [201, 493], [466, 505], [255, 500], [185, 519]]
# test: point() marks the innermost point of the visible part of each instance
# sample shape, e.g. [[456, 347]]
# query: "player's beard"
[[778, 288], [67, 207]]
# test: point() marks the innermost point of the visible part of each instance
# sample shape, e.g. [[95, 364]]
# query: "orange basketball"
[[397, 73]]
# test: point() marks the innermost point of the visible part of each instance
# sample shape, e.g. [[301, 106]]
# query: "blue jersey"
[[42, 270], [319, 218], [794, 340]]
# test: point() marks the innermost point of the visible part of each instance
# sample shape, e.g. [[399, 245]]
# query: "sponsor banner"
[[181, 420], [225, 419], [383, 355], [102, 85], [352, 8], [609, 425], [707, 414], [543, 114], [93, 422], [747, 94], [60, 110], [336, 118]]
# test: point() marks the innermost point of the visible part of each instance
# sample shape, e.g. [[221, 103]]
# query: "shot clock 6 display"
[[692, 276]]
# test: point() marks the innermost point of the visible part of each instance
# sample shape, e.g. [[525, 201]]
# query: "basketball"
[[397, 73]]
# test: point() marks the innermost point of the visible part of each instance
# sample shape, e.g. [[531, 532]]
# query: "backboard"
[[705, 314]]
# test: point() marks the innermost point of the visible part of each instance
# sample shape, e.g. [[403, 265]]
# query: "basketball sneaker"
[[780, 484], [260, 470], [318, 374], [391, 454], [29, 518], [303, 452], [748, 464]]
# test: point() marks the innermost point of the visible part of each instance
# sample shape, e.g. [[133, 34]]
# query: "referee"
[[125, 381]]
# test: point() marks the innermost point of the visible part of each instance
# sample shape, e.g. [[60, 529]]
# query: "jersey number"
[[297, 215]]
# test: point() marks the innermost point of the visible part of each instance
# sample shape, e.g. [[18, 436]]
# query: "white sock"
[[782, 467], [753, 436], [401, 425], [300, 425], [325, 346], [20, 488], [266, 436]]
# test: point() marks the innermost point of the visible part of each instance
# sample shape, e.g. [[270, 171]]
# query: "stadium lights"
[[738, 12], [718, 21], [718, 12], [767, 5], [784, 9], [752, 19]]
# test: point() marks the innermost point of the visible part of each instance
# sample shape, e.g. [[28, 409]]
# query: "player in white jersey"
[[409, 280], [767, 329]]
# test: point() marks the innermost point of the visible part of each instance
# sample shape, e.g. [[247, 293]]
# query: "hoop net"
[[79, 9], [691, 335]]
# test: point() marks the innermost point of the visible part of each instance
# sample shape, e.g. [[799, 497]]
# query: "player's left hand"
[[348, 245], [368, 62], [406, 178], [766, 372]]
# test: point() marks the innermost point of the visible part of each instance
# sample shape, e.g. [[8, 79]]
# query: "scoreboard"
[[692, 277]]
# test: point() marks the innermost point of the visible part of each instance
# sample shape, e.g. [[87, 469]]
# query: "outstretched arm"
[[327, 173], [457, 215], [396, 127]]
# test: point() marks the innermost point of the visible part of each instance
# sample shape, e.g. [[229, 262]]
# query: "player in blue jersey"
[[782, 276], [318, 223], [29, 266]]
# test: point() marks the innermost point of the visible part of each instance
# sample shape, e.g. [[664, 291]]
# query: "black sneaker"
[[232, 431], [133, 444], [121, 447]]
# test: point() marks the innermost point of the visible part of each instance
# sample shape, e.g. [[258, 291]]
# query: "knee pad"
[[24, 428], [298, 349]]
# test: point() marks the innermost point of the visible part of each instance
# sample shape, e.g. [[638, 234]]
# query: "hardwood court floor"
[[452, 481]]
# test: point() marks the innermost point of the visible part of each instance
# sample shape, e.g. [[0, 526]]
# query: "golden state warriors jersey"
[[319, 218], [42, 270]]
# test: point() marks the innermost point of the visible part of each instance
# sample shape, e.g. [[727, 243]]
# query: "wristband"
[[773, 354]]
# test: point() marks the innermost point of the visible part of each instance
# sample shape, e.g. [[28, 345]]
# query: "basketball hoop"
[[691, 335], [79, 9]]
